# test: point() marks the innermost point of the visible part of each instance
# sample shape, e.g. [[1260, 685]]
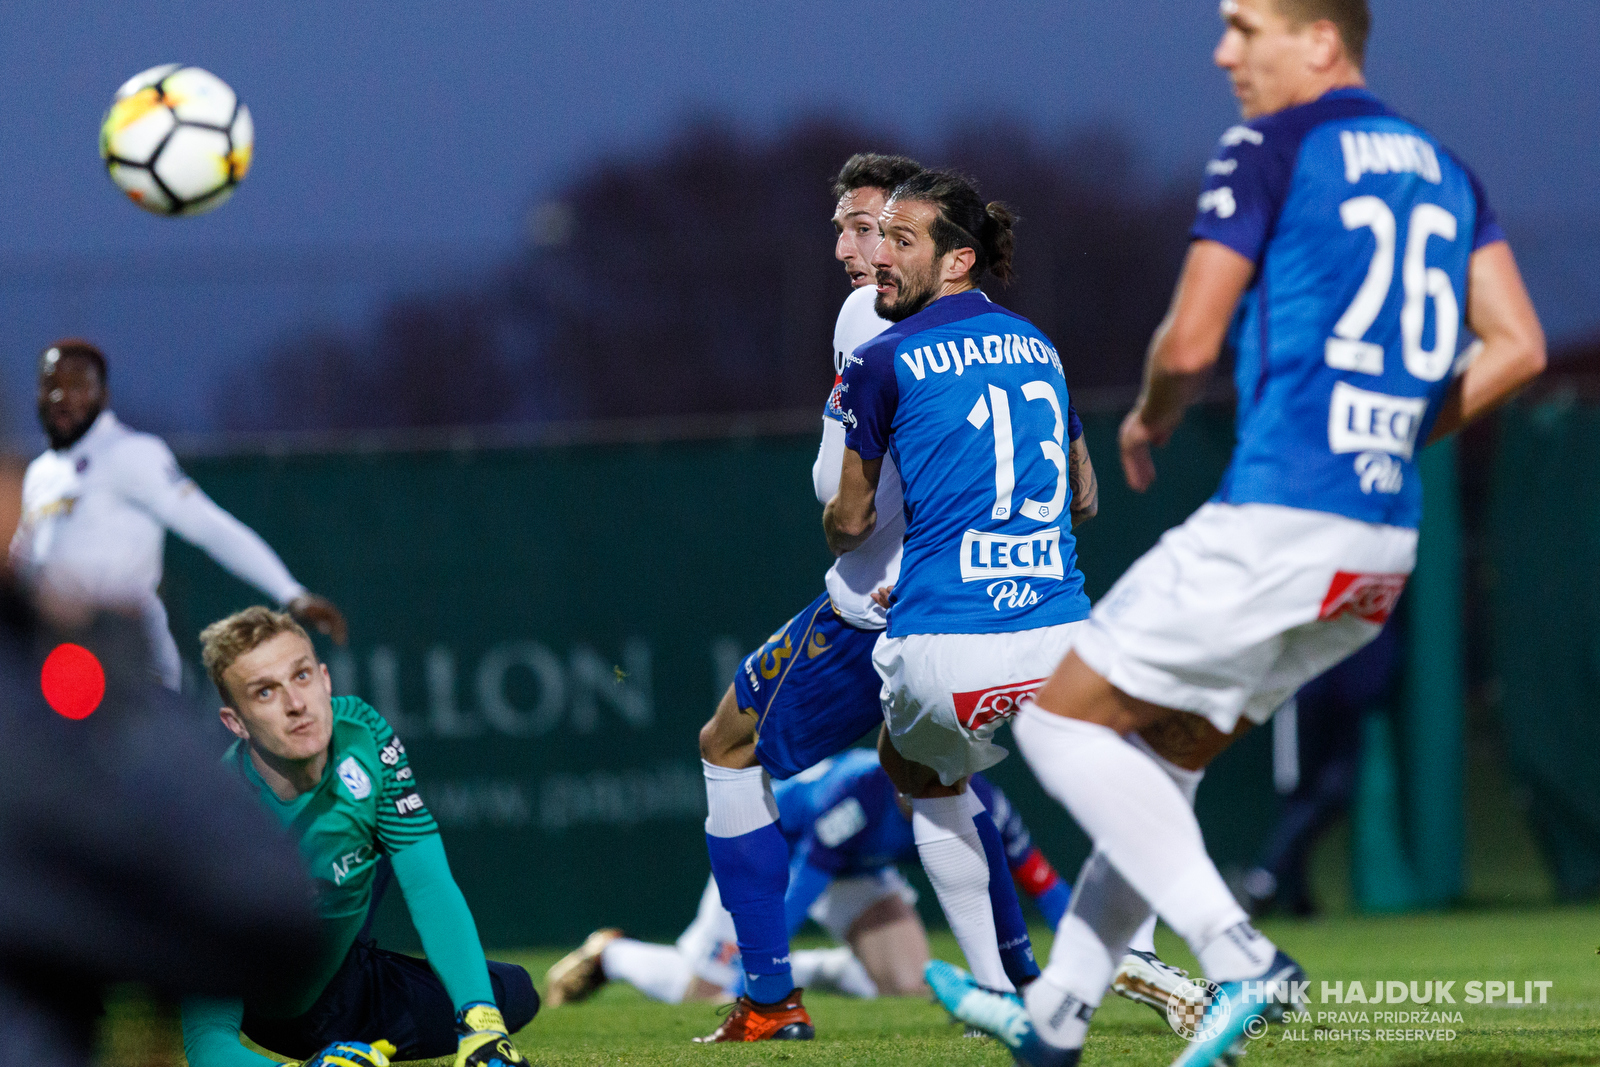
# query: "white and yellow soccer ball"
[[177, 140]]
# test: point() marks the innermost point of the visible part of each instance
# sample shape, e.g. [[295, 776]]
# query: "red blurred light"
[[73, 681]]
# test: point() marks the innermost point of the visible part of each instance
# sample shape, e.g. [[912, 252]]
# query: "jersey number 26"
[[1346, 350]]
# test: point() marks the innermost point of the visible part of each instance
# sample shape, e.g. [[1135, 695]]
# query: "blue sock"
[[752, 872], [1016, 949]]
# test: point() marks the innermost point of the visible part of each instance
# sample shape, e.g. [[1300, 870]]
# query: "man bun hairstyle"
[[225, 640], [870, 170], [73, 348], [1352, 18], [964, 221]]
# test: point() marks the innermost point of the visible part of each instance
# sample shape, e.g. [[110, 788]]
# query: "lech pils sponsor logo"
[[987, 556]]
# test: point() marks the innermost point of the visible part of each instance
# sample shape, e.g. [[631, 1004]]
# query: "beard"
[[64, 439], [914, 292]]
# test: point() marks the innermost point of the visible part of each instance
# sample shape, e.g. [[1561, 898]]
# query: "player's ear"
[[235, 725], [1327, 46], [327, 679], [958, 263]]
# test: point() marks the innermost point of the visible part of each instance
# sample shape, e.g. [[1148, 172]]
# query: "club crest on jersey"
[[978, 709], [987, 556], [835, 406], [354, 777], [1366, 596]]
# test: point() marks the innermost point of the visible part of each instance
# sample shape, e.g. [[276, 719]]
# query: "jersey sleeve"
[[871, 394], [403, 819], [830, 460], [211, 1035], [1246, 182], [1074, 424], [1488, 229], [444, 922], [148, 474]]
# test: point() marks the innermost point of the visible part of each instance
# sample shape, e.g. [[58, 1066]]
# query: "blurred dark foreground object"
[[127, 854]]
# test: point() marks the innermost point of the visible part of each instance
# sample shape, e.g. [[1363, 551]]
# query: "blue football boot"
[[1000, 1014], [1229, 1019]]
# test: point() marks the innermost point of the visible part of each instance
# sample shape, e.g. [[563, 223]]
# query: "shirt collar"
[[104, 423]]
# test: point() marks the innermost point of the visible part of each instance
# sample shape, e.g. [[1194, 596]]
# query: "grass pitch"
[[1558, 945]]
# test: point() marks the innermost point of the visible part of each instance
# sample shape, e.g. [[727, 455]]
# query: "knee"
[[727, 733], [901, 980], [905, 985], [514, 992], [709, 749]]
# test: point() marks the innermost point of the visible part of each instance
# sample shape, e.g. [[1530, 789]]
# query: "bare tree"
[[699, 278]]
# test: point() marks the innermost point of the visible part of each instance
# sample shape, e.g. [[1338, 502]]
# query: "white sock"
[[1188, 783], [1134, 812], [835, 969], [1090, 943], [658, 971], [1144, 938], [737, 802], [952, 854]]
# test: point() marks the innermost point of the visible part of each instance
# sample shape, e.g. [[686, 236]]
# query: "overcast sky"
[[436, 125]]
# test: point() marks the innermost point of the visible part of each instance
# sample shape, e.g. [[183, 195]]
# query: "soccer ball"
[[177, 140]]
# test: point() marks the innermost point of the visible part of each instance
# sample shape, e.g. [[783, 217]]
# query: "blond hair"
[[225, 640]]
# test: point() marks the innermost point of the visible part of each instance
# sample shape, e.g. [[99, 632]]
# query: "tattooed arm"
[[1085, 486]]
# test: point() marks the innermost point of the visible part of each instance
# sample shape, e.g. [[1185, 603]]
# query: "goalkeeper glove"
[[484, 1041], [350, 1054]]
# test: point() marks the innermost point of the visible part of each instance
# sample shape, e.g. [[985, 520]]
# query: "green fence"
[[1544, 541], [547, 628]]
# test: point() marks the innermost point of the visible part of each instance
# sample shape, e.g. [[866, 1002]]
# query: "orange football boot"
[[786, 1020]]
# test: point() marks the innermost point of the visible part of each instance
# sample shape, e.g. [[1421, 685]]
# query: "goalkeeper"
[[337, 778]]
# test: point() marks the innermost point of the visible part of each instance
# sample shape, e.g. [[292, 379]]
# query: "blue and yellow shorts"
[[812, 689]]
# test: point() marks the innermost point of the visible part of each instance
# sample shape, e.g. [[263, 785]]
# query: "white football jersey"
[[876, 561], [94, 522]]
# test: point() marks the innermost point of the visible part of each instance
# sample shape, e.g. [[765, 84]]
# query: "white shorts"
[[1233, 611], [945, 695], [711, 945], [847, 899]]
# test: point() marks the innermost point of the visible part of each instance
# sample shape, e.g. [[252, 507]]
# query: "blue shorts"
[[812, 689]]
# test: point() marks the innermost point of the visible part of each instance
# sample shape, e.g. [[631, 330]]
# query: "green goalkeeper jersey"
[[366, 805]]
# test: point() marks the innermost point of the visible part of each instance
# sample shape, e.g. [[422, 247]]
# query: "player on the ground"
[[337, 778], [811, 691], [969, 402], [1358, 247], [846, 831], [96, 507]]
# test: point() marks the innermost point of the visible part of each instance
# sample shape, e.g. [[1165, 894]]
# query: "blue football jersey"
[[970, 402], [1361, 227], [841, 817]]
